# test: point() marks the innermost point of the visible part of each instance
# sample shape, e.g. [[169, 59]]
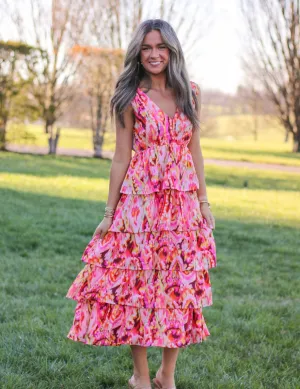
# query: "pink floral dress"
[[145, 283]]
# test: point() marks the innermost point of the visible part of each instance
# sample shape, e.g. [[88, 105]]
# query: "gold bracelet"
[[109, 212], [204, 201]]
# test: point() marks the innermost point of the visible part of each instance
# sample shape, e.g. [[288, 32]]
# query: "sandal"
[[133, 385], [158, 384]]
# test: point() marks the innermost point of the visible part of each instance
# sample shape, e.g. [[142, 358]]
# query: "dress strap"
[[195, 87]]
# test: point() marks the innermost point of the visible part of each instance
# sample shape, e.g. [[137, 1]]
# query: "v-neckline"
[[153, 102]]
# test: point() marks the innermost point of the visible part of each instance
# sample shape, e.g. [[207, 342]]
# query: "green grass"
[[70, 138], [232, 140], [50, 207], [271, 152]]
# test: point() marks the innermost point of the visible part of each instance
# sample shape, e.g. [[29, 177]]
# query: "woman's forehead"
[[153, 37]]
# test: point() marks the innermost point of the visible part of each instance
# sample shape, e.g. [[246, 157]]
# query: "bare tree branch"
[[55, 27], [273, 56]]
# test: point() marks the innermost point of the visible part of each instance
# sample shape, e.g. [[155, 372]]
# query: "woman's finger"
[[209, 220], [96, 232], [213, 222]]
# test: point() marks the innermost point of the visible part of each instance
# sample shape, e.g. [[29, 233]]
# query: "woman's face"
[[154, 53]]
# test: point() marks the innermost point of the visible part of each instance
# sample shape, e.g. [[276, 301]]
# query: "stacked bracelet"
[[109, 212], [204, 201]]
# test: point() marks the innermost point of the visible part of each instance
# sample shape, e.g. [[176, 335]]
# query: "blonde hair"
[[176, 72]]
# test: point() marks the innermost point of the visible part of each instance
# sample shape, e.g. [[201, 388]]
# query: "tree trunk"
[[97, 151], [3, 137], [255, 130], [296, 142], [286, 139], [53, 139], [98, 143], [97, 134], [47, 126]]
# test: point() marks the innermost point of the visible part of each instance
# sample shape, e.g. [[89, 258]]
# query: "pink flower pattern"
[[145, 283]]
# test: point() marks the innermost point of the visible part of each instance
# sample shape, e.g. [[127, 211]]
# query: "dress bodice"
[[161, 157]]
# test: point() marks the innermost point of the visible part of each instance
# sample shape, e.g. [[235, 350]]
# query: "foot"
[[139, 382], [165, 380]]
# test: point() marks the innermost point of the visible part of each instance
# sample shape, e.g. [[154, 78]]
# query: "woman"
[[146, 275]]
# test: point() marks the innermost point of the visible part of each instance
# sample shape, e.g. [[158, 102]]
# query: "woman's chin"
[[152, 70]]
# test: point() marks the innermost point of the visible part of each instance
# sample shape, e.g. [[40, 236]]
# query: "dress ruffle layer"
[[131, 280], [163, 166], [103, 324], [169, 209], [143, 288], [161, 250]]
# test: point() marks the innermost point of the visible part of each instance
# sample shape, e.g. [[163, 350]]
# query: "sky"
[[218, 64]]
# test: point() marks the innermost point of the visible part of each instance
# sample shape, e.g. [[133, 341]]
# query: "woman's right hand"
[[103, 227]]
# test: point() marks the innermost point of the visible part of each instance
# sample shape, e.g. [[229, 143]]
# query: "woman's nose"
[[154, 53]]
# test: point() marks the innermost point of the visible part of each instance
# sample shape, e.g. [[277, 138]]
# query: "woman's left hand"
[[207, 214]]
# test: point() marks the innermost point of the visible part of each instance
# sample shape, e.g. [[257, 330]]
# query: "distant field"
[[225, 137]]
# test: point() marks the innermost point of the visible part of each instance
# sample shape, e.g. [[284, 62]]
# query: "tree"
[[58, 26], [113, 21], [253, 100], [55, 28], [14, 82], [273, 56], [98, 75]]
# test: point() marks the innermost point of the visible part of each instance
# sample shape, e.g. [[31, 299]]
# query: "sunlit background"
[[58, 66], [84, 45]]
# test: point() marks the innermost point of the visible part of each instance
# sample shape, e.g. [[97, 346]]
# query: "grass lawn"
[[50, 207], [232, 141]]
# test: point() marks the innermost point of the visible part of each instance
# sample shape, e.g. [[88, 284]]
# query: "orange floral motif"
[[147, 281]]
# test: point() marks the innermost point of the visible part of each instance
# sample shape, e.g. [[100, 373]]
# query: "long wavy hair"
[[176, 73]]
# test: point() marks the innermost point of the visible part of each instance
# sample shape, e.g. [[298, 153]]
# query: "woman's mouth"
[[155, 63]]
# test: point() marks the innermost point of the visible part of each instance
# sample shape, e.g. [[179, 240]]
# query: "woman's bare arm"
[[121, 158], [195, 149]]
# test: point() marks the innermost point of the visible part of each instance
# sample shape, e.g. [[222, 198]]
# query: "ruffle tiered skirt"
[[145, 283]]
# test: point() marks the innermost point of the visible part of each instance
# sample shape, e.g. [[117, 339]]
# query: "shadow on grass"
[[48, 166], [53, 166], [255, 302], [46, 234]]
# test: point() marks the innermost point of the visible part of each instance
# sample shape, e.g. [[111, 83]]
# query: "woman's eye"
[[163, 47], [145, 48]]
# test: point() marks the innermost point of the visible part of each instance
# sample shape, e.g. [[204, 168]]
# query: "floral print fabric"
[[147, 280]]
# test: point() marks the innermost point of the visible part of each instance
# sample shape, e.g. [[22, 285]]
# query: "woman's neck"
[[158, 82]]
